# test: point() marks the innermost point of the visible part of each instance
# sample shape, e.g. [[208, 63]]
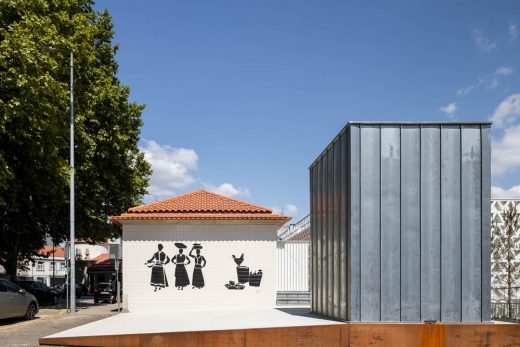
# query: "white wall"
[[220, 242], [293, 265]]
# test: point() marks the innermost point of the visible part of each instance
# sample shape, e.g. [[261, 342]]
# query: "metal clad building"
[[401, 223]]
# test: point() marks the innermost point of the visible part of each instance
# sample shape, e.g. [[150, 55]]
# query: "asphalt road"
[[16, 332]]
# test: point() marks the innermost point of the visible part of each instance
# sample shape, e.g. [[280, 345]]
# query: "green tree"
[[505, 245], [36, 37]]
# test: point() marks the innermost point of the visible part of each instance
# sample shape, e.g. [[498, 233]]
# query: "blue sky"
[[243, 95]]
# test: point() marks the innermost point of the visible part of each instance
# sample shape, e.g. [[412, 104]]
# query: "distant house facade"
[[49, 267], [199, 250]]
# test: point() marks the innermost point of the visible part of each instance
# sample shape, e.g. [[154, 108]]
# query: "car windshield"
[[104, 286]]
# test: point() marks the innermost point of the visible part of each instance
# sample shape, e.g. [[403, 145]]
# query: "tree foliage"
[[506, 251], [36, 37]]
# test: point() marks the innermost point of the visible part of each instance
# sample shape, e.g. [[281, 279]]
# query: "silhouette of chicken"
[[238, 261]]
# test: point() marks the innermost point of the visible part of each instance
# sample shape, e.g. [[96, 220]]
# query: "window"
[[40, 266], [11, 286]]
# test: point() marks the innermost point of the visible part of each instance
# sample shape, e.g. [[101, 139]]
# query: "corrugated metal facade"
[[293, 265], [400, 223]]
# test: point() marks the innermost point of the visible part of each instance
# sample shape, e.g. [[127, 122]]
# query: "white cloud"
[[171, 167], [507, 112], [228, 189], [506, 151], [501, 193], [483, 41], [449, 109], [504, 71], [288, 210], [513, 32]]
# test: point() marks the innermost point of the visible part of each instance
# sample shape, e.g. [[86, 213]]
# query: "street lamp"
[[72, 248]]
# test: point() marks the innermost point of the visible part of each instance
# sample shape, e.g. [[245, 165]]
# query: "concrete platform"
[[273, 327]]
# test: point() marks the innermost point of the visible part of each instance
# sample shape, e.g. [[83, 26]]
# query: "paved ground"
[[50, 320]]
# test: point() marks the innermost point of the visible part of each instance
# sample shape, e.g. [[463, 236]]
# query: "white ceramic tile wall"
[[220, 242]]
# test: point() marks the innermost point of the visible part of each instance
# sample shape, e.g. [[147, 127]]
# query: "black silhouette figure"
[[240, 260], [157, 262], [180, 260], [197, 280]]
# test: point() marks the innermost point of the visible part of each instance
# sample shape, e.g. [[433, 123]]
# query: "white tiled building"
[[222, 227], [497, 208]]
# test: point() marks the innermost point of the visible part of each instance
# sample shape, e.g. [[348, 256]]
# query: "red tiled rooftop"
[[47, 251], [200, 201], [200, 205]]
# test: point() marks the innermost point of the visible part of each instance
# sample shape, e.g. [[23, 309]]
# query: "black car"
[[43, 293], [104, 292]]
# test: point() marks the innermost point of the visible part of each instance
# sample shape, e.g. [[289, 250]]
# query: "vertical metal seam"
[[460, 216], [420, 222], [400, 218], [380, 233], [360, 225], [481, 221], [440, 223]]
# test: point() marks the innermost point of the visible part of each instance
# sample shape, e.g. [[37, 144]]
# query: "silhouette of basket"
[[243, 274], [255, 279]]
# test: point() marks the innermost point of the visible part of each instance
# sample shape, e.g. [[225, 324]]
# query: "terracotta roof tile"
[[200, 205], [200, 201], [47, 251]]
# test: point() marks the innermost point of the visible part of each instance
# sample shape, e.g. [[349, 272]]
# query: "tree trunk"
[[10, 265]]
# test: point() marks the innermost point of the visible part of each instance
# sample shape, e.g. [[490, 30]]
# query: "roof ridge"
[[200, 202], [235, 199]]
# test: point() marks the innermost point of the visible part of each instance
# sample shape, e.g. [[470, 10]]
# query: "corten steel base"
[[353, 334]]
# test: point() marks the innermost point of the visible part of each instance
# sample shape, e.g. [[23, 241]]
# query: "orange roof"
[[101, 258], [200, 205], [47, 251]]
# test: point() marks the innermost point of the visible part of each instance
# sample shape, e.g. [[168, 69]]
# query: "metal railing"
[[296, 228], [500, 310]]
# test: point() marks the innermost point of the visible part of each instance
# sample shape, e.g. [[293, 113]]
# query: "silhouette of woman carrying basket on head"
[[157, 262], [180, 260], [197, 280]]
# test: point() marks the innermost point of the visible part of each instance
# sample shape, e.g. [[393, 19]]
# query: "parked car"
[[43, 293], [104, 292], [16, 302], [64, 290]]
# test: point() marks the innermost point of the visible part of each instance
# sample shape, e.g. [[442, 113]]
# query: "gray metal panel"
[[330, 231], [390, 223], [343, 229], [486, 227], [323, 248], [354, 280], [337, 241], [317, 262], [314, 193], [471, 223], [370, 224], [410, 224], [450, 225], [430, 223]]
